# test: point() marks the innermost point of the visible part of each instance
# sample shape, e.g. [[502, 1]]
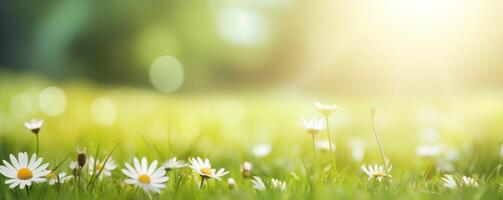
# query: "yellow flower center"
[[99, 166], [312, 131], [206, 171], [379, 174], [24, 174], [144, 179]]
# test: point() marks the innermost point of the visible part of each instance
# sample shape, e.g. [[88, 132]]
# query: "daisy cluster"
[[152, 176]]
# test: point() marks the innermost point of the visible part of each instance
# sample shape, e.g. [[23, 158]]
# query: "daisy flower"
[[53, 179], [279, 185], [258, 184], [149, 178], [324, 109], [34, 125], [449, 181], [100, 165], [313, 125], [203, 168], [377, 172], [453, 182], [469, 182], [174, 164], [22, 171]]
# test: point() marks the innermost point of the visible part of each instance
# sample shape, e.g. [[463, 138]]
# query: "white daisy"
[[279, 185], [22, 171], [53, 179], [203, 168], [377, 172], [100, 165], [324, 109], [469, 182], [149, 178], [454, 182], [261, 150], [324, 145], [313, 125], [34, 125], [449, 181], [174, 164], [258, 184]]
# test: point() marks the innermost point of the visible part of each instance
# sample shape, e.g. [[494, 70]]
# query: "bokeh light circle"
[[166, 74], [52, 101], [103, 111]]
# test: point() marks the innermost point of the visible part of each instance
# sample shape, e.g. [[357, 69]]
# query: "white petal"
[[144, 165], [137, 165], [14, 162], [8, 172], [152, 167]]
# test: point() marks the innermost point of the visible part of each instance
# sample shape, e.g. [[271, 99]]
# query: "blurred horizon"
[[397, 47]]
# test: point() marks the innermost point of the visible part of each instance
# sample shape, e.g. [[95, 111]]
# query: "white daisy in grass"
[[22, 171], [449, 181], [469, 182], [313, 125], [203, 168], [174, 164], [34, 125], [279, 185], [149, 178], [325, 109], [53, 179], [453, 182], [377, 172], [106, 168], [258, 184]]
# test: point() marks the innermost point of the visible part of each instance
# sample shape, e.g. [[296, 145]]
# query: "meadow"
[[424, 140]]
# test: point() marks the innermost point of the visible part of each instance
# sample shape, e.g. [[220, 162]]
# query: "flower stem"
[[314, 146], [27, 191], [202, 182], [377, 138], [332, 152], [36, 151]]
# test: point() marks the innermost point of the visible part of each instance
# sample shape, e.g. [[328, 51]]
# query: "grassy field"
[[225, 127]]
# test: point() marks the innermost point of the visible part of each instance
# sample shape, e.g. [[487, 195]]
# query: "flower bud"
[[246, 169], [231, 183], [81, 157]]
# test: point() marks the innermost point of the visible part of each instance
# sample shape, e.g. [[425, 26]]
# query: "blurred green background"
[[343, 47]]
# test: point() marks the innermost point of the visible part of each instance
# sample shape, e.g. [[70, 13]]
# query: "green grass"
[[224, 126]]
